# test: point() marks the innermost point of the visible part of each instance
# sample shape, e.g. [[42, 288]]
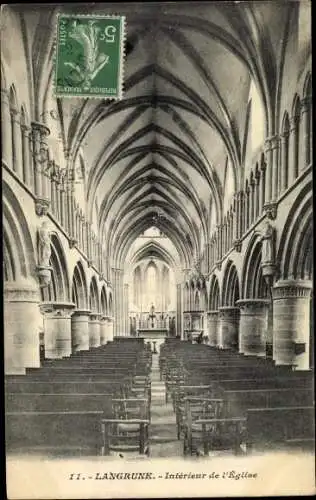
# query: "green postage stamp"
[[89, 56]]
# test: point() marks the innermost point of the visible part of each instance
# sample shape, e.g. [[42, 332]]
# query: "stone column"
[[80, 330], [17, 143], [110, 329], [284, 168], [269, 167], [293, 149], [291, 328], [275, 145], [180, 307], [94, 330], [22, 323], [57, 328], [126, 318], [6, 129], [228, 327], [253, 326], [40, 164], [118, 301], [213, 324], [103, 330], [26, 155], [305, 133]]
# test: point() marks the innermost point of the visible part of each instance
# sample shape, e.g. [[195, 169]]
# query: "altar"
[[156, 337]]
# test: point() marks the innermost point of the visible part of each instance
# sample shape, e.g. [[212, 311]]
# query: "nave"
[[158, 271], [193, 400]]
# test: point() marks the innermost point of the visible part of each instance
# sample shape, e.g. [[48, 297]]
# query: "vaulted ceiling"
[[164, 148]]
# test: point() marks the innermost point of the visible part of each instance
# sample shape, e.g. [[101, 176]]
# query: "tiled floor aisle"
[[163, 431]]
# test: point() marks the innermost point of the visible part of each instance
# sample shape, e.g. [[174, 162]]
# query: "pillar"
[[80, 330], [291, 328], [275, 146], [253, 326], [293, 149], [180, 306], [284, 167], [26, 155], [213, 323], [118, 301], [17, 143], [305, 134], [106, 330], [6, 130], [23, 321], [228, 327], [269, 167], [57, 328], [94, 330], [125, 308]]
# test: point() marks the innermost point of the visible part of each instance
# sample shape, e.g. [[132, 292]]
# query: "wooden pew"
[[238, 402], [59, 402], [108, 387], [274, 427], [59, 433]]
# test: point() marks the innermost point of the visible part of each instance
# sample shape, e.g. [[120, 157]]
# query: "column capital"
[[41, 128], [228, 312], [294, 120], [271, 210], [81, 312], [95, 316], [25, 128], [284, 289], [252, 305], [41, 206], [62, 309], [212, 313]]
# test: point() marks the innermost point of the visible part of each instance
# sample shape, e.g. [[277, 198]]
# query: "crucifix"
[[152, 315]]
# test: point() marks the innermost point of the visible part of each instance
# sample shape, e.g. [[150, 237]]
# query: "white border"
[[122, 54]]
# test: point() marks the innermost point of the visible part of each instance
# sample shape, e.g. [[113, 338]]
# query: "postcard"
[[157, 240]]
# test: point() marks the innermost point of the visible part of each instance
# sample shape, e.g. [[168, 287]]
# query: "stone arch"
[[19, 254], [252, 281], [59, 287], [104, 302], [94, 296], [79, 287], [230, 292], [296, 243], [214, 295]]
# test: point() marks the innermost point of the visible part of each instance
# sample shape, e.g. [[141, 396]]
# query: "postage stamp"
[[89, 56]]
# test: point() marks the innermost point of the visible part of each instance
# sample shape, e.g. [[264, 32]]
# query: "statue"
[[267, 240], [44, 245]]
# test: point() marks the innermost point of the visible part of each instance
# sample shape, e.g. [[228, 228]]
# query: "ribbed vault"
[[160, 154]]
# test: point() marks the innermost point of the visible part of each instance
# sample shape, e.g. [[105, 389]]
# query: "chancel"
[[158, 272]]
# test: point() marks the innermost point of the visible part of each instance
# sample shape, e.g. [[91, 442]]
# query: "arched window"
[[152, 283]]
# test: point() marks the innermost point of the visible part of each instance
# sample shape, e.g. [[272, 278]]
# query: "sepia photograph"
[[157, 231]]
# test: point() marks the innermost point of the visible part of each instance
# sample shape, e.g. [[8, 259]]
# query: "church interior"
[[158, 272]]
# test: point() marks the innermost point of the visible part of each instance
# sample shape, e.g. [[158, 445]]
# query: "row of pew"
[[227, 401], [94, 402]]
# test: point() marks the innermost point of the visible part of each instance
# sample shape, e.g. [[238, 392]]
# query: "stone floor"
[[163, 430]]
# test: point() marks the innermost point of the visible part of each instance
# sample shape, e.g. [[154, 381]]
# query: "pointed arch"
[[252, 281], [214, 294], [94, 296], [59, 287], [230, 292], [79, 287], [103, 301], [19, 252]]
